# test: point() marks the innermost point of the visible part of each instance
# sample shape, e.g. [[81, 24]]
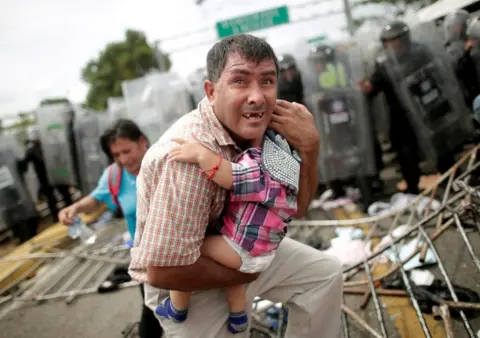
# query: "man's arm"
[[308, 181], [205, 273], [296, 124], [377, 82], [86, 204], [22, 163]]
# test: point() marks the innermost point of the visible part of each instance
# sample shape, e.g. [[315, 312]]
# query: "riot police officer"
[[455, 28], [17, 209], [340, 112], [426, 105], [396, 35], [290, 85], [467, 65], [34, 155]]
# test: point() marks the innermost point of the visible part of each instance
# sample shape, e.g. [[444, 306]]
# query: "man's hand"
[[294, 122], [468, 45]]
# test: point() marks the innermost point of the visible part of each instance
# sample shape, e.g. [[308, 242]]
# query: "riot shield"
[[16, 204], [424, 80], [92, 161], [156, 101], [367, 38], [116, 108], [475, 54], [341, 116], [196, 80], [55, 122], [455, 49]]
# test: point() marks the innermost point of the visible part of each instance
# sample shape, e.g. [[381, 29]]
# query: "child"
[[263, 181]]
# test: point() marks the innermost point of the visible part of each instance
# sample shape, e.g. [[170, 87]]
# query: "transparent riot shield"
[[156, 101], [425, 83], [367, 38], [92, 161], [340, 112], [196, 80], [116, 108], [55, 122], [16, 204], [455, 49], [475, 54], [299, 50]]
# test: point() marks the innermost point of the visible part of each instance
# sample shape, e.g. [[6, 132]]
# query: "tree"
[[119, 61]]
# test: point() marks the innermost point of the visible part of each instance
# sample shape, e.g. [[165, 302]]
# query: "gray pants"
[[305, 279]]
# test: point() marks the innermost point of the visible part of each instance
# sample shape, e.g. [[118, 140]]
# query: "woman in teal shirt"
[[127, 146]]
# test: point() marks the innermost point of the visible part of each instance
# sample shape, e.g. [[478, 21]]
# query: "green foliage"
[[25, 119], [119, 61]]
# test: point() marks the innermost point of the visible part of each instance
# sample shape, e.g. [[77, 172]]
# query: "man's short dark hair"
[[248, 46]]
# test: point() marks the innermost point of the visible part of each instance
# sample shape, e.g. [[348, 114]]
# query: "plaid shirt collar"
[[216, 128]]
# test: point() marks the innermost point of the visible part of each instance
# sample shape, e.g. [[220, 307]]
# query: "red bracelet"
[[214, 169]]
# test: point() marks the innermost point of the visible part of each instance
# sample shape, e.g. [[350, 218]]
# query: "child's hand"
[[186, 152]]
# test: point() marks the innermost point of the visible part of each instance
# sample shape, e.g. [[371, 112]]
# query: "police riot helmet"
[[324, 53], [286, 61], [395, 30], [458, 18], [473, 30]]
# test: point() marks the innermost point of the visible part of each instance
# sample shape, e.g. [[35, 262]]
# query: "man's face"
[[455, 30], [319, 66], [244, 97], [289, 73], [395, 45]]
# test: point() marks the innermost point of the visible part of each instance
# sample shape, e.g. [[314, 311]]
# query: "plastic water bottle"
[[79, 230]]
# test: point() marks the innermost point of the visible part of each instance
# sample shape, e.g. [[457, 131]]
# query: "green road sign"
[[252, 22], [317, 39]]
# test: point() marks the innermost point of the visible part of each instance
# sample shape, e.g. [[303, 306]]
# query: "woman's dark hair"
[[123, 128], [127, 129], [104, 144]]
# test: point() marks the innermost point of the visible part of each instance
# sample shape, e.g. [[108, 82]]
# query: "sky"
[[45, 44]]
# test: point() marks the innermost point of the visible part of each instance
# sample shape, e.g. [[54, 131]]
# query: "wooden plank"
[[51, 237]]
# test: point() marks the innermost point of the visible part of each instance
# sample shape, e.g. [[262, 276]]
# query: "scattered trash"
[[399, 201], [102, 220], [349, 251], [272, 317], [429, 296], [422, 277], [352, 233], [79, 230], [406, 250], [388, 240], [127, 239], [325, 201], [118, 276]]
